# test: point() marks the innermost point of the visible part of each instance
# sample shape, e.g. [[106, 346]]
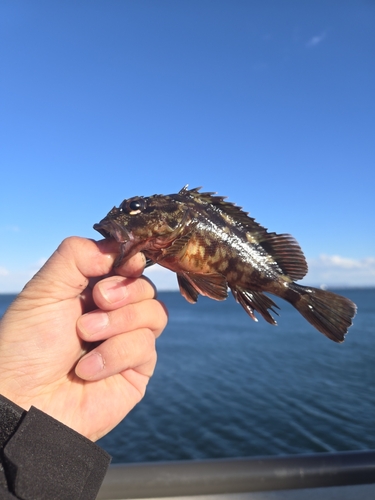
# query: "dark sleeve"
[[43, 458]]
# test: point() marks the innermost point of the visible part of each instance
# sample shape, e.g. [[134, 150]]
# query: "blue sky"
[[269, 103]]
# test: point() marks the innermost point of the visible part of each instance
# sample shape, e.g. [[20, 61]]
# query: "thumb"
[[66, 273]]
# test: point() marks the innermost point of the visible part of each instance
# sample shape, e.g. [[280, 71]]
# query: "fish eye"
[[133, 207]]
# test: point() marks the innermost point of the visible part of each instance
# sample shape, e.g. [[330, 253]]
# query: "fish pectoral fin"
[[257, 301], [213, 285], [177, 248], [187, 289]]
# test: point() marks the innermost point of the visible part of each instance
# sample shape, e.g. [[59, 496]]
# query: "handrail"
[[239, 475]]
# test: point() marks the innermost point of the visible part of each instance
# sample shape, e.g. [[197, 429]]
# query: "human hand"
[[79, 344]]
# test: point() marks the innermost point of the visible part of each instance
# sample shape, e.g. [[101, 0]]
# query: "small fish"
[[213, 244]]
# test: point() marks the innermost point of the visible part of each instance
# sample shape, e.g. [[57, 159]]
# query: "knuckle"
[[121, 349], [160, 316], [70, 241], [129, 315], [148, 339], [137, 347], [146, 287]]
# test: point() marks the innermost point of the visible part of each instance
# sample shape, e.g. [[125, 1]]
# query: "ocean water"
[[226, 386]]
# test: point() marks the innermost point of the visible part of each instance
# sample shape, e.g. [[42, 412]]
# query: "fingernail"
[[113, 291], [93, 322], [90, 366]]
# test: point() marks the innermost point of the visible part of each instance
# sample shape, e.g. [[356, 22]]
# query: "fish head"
[[141, 223]]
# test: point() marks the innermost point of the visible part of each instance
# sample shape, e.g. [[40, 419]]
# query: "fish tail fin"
[[328, 312]]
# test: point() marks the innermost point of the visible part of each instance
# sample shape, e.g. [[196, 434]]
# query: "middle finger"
[[100, 325]]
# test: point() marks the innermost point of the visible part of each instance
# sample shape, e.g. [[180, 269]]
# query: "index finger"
[[117, 291], [132, 268]]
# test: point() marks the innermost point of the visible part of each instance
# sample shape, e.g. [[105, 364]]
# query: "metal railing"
[[240, 475]]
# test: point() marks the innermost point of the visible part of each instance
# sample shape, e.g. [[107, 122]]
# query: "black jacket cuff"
[[43, 458]]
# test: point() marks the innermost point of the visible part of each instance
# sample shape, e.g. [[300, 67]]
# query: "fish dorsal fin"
[[287, 253], [283, 247], [235, 212]]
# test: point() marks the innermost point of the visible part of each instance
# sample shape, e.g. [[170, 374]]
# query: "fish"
[[213, 245]]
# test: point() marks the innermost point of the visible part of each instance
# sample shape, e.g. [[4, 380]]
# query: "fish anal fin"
[[287, 253], [246, 304], [212, 285], [257, 301], [187, 290]]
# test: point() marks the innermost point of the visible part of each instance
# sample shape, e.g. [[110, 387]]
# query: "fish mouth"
[[111, 229]]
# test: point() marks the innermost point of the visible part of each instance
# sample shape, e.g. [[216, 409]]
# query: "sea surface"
[[226, 386]]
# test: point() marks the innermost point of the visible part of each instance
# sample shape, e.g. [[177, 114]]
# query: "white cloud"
[[12, 228], [344, 262], [330, 270], [315, 40], [341, 271], [3, 271], [39, 263], [13, 281]]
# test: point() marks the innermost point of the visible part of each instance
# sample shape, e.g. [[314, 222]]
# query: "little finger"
[[117, 354]]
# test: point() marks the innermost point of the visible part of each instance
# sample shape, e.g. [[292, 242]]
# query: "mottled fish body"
[[214, 245]]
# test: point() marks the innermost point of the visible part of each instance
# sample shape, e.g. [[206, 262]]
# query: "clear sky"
[[271, 103]]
